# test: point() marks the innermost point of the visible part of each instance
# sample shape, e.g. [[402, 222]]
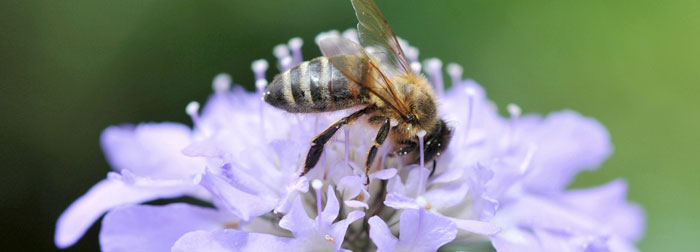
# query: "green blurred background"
[[71, 68]]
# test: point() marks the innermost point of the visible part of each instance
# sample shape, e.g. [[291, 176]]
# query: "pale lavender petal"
[[530, 211], [243, 204], [567, 143], [422, 231], [477, 227], [339, 228], [155, 228], [625, 218], [292, 190], [446, 195], [151, 150], [297, 221], [330, 212], [230, 240], [356, 204], [102, 197], [515, 240], [398, 201], [384, 174], [381, 235]]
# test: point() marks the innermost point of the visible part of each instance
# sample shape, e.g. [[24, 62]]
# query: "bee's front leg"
[[378, 141], [321, 139]]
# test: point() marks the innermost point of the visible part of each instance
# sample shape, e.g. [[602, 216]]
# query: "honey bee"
[[395, 99]]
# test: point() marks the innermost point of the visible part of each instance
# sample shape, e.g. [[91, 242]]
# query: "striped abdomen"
[[314, 86]]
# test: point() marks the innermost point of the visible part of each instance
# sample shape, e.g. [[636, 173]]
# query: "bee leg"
[[321, 139], [378, 141], [433, 170]]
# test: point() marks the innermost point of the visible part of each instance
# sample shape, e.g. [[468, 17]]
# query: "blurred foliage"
[[71, 68]]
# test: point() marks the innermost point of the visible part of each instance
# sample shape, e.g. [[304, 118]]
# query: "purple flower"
[[501, 180]]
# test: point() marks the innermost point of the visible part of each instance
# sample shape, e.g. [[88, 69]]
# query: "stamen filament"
[[192, 110], [317, 184], [421, 186], [347, 146], [295, 45], [433, 67], [455, 71]]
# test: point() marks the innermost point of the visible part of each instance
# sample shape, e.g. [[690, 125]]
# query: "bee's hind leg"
[[378, 141], [322, 138]]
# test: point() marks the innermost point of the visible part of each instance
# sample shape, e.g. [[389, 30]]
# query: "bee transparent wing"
[[374, 32], [353, 61]]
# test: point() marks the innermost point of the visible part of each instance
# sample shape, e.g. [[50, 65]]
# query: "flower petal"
[[422, 231], [339, 228], [244, 205], [151, 150], [381, 235], [103, 196], [398, 201], [477, 227], [567, 143], [230, 240], [297, 221], [330, 212], [155, 228]]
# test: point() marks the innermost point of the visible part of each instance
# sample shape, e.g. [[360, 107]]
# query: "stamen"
[[192, 110], [421, 185], [433, 67], [324, 35], [286, 63], [416, 67], [317, 184], [393, 122], [528, 158], [351, 34], [281, 52], [412, 54], [455, 71], [471, 93], [295, 45], [259, 67], [222, 83], [329, 238], [514, 111], [347, 146]]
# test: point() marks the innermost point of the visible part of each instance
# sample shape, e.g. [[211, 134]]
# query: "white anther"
[[416, 67], [471, 92], [286, 62], [295, 43], [455, 71], [259, 65], [197, 178], [393, 122], [324, 35], [280, 51], [421, 201], [192, 108], [316, 184], [514, 110], [412, 53], [221, 83], [261, 84], [433, 64], [421, 133], [351, 34]]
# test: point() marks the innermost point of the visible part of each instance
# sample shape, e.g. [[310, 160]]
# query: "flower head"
[[501, 180]]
